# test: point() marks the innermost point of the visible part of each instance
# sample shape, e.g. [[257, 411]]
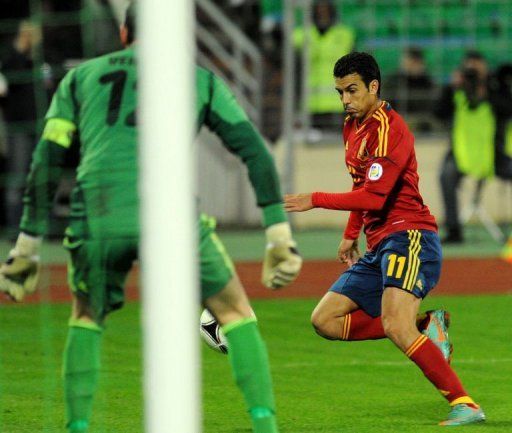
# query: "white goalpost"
[[168, 220]]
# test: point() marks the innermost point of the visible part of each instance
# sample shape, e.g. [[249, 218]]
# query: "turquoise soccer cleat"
[[463, 414], [436, 328]]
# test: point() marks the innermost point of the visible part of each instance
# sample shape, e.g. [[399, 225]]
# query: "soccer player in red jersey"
[[380, 294]]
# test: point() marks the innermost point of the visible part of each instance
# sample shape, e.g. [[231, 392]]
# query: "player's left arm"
[[228, 120], [382, 173]]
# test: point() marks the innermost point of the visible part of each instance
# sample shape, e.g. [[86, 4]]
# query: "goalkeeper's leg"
[[81, 367], [247, 353]]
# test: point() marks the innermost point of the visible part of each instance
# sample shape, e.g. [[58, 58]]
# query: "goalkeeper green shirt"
[[94, 108]]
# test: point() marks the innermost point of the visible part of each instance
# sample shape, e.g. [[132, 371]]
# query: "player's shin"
[[249, 361], [427, 356], [81, 370]]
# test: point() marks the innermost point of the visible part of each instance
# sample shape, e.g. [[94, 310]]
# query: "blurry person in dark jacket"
[[25, 91], [501, 98], [467, 104]]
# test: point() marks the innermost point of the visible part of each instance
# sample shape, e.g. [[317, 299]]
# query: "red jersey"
[[379, 154]]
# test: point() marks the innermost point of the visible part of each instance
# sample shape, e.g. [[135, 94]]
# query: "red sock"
[[430, 360], [361, 326]]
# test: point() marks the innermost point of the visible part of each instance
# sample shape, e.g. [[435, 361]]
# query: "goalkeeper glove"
[[282, 261], [20, 273]]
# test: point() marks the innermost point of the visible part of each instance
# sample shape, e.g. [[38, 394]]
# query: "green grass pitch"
[[321, 386]]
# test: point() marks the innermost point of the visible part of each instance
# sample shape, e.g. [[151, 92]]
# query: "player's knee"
[[322, 324], [392, 327], [81, 310], [228, 310], [316, 319], [231, 314]]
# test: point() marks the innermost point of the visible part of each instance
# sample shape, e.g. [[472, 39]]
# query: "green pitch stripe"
[[47, 338]]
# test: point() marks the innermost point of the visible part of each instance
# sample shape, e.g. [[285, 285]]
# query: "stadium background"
[[320, 386]]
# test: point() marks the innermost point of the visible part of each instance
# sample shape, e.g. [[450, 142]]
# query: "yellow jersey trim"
[[383, 131]]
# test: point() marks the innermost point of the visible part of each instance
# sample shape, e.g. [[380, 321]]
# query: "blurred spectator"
[[467, 103], [244, 13], [271, 24], [3, 86], [14, 9], [249, 11], [501, 99], [10, 12], [329, 40], [19, 103], [62, 38], [271, 14], [411, 87]]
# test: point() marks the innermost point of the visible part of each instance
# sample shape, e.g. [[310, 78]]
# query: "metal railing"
[[224, 190], [228, 52]]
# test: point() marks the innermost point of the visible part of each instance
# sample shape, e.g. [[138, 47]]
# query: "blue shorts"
[[410, 260]]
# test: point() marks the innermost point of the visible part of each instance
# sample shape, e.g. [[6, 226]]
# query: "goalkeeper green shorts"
[[216, 268], [98, 268], [97, 271]]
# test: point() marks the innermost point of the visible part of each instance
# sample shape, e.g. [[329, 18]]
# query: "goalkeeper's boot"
[[464, 414], [79, 426], [435, 326]]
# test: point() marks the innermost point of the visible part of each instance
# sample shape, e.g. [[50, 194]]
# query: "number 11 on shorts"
[[393, 260]]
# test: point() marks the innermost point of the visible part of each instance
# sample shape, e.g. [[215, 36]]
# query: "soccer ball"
[[211, 332]]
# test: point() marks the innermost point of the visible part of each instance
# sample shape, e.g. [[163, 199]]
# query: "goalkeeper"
[[94, 108]]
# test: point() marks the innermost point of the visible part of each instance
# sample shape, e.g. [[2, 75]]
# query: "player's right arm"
[[49, 157], [45, 172], [348, 250], [354, 225], [355, 220], [19, 274]]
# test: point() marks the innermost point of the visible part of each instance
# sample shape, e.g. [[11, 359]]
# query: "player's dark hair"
[[358, 63], [129, 21]]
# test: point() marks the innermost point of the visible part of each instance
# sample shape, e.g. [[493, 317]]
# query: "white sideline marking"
[[388, 363]]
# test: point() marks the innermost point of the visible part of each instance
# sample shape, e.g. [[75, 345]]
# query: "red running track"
[[459, 277]]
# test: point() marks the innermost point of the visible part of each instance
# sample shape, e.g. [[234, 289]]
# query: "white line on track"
[[356, 362]]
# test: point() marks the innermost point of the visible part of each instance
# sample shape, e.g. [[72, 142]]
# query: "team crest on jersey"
[[375, 172], [362, 153]]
